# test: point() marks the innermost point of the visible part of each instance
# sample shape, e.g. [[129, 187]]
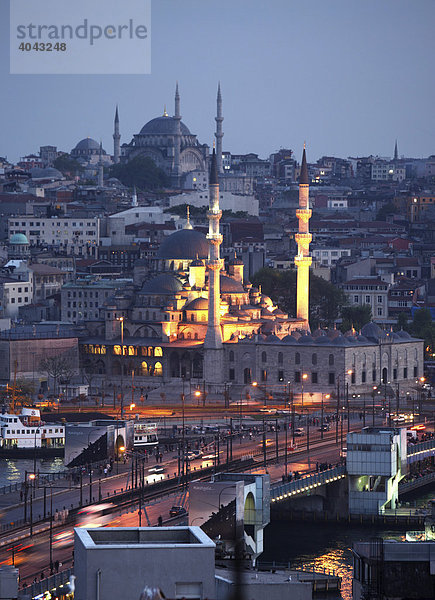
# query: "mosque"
[[201, 321]]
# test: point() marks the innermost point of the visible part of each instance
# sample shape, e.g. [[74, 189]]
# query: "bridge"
[[305, 485]]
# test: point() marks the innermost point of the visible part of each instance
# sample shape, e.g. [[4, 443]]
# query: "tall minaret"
[[177, 147], [101, 168], [396, 152], [213, 350], [303, 239], [219, 134], [116, 139], [134, 198]]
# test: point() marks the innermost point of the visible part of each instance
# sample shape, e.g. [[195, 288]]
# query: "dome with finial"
[[164, 125]]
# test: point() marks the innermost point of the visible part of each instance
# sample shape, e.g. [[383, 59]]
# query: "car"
[[324, 428], [209, 457], [299, 431], [177, 511]]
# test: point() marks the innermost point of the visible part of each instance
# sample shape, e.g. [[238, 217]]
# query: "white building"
[[375, 463], [227, 201], [77, 235], [329, 256], [369, 290], [388, 171]]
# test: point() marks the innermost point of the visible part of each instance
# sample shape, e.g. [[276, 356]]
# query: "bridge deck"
[[300, 486]]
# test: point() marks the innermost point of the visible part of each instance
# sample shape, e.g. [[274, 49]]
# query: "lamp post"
[[350, 373], [327, 396], [121, 320], [373, 404], [304, 378]]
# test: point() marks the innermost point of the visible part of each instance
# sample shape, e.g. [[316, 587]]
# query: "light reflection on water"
[[13, 470], [324, 547]]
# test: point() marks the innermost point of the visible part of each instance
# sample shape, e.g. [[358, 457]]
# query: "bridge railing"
[[304, 484], [421, 447]]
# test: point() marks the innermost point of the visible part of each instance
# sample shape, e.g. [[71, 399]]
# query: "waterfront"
[[13, 470]]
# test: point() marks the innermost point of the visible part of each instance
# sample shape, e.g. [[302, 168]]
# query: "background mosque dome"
[[186, 244], [47, 173], [87, 144], [164, 125], [18, 238], [162, 284]]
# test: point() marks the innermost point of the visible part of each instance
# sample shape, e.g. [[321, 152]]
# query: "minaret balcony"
[[303, 261], [304, 214], [215, 215], [303, 240], [215, 238]]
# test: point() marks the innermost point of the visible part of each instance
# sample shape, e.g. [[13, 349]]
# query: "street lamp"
[[197, 395], [327, 396], [121, 320], [349, 372], [304, 378]]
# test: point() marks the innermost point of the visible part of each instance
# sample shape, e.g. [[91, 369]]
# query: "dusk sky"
[[349, 77]]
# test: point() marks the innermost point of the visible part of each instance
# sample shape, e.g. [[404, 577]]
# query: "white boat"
[[145, 435], [27, 431]]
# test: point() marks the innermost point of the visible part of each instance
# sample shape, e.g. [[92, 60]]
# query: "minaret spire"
[[177, 142], [396, 152], [303, 239], [219, 133], [134, 198], [213, 358], [116, 139]]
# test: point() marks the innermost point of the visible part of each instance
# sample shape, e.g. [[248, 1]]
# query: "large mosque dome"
[[87, 144], [185, 244], [164, 125]]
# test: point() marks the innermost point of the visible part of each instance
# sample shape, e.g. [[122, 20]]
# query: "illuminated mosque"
[[195, 321]]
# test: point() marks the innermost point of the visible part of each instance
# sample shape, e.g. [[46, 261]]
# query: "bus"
[[145, 435]]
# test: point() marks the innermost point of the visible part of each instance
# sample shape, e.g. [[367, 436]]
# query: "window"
[[280, 359], [263, 357], [355, 299], [331, 359], [297, 376], [263, 375], [331, 378], [394, 373], [363, 377], [380, 299], [405, 373], [280, 375], [231, 356], [232, 375], [367, 299], [297, 358], [379, 312], [314, 359], [374, 375], [415, 372], [353, 377], [314, 378]]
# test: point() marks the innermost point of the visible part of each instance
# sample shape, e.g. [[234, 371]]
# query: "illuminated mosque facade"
[[195, 320]]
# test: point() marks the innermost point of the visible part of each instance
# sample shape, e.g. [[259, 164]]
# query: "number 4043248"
[[42, 47]]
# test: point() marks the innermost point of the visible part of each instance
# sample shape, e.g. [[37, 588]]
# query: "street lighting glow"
[[197, 393], [305, 376], [327, 396], [132, 405], [254, 384], [121, 448], [32, 476]]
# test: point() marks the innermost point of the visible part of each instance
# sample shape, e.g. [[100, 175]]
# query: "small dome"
[[47, 173], [236, 261], [88, 144], [162, 284], [404, 335], [18, 238], [306, 339], [289, 339], [164, 125], [373, 331], [333, 333], [318, 333], [197, 263], [197, 304], [231, 286], [340, 340], [273, 338], [185, 244], [322, 339], [362, 339]]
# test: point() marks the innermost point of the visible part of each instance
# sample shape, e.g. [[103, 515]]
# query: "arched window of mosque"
[[144, 369], [331, 359], [103, 349], [195, 336], [117, 350], [202, 317], [180, 266], [297, 358], [280, 358], [406, 356], [189, 335], [353, 360], [314, 359], [150, 351], [143, 351], [181, 336], [158, 369], [147, 315], [231, 356], [158, 351], [415, 354], [171, 268], [192, 317], [263, 357], [364, 358], [125, 350]]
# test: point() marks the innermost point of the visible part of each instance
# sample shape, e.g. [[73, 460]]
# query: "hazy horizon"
[[349, 78]]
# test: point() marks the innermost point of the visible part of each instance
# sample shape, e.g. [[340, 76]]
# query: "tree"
[[141, 172], [423, 327], [355, 316], [402, 321], [67, 165], [326, 300], [56, 367], [385, 211]]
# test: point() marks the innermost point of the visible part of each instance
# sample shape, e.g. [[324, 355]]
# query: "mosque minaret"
[[303, 239], [177, 147], [213, 355], [219, 133], [116, 139]]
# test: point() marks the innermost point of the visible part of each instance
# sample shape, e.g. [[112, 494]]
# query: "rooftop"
[[144, 536]]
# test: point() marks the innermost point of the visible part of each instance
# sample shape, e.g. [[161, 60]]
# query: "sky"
[[346, 76]]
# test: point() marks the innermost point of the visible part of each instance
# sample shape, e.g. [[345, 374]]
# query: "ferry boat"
[[145, 435], [26, 436]]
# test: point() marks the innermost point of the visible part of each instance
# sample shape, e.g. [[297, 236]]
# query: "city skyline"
[[349, 88]]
